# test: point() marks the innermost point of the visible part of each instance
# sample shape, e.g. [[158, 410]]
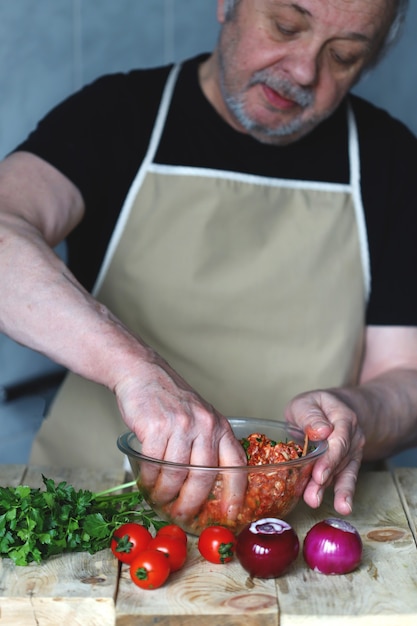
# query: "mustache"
[[303, 96]]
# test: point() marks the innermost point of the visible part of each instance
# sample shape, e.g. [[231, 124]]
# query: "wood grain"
[[76, 589], [218, 594], [12, 475], [406, 480], [72, 589], [81, 589], [383, 590]]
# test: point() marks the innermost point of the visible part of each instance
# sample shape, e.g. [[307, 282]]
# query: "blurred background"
[[51, 48]]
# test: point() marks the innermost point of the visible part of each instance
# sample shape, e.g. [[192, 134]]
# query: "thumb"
[[306, 413], [318, 429]]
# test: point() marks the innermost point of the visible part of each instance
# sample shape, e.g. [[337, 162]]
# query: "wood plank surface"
[[77, 589], [219, 595], [83, 589], [12, 475], [406, 480], [383, 591]]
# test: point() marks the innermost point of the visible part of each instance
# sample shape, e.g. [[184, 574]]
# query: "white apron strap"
[[133, 191], [355, 182]]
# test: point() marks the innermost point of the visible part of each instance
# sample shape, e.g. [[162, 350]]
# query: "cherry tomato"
[[150, 569], [175, 550], [172, 530], [217, 544], [128, 540]]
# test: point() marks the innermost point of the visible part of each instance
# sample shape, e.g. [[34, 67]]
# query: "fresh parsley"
[[245, 445], [38, 523]]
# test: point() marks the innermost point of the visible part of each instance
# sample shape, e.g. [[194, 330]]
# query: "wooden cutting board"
[[86, 590], [382, 592], [75, 589]]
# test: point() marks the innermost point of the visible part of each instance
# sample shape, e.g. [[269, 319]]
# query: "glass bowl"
[[195, 497]]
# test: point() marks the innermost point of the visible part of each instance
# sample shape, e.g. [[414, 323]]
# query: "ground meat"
[[272, 493], [260, 450]]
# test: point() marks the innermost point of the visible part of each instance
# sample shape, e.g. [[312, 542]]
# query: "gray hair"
[[391, 37], [394, 31]]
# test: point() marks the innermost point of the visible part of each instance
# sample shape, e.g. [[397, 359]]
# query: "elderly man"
[[241, 237]]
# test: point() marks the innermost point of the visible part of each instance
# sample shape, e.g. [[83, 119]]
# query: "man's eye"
[[340, 59], [286, 30]]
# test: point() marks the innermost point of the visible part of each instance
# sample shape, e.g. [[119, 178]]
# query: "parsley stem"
[[117, 488]]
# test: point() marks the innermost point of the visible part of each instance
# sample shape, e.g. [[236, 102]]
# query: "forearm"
[[386, 407], [45, 308]]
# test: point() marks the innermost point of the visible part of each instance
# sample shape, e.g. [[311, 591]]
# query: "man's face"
[[285, 65]]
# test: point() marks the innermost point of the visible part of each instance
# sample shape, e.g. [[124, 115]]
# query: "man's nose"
[[303, 64]]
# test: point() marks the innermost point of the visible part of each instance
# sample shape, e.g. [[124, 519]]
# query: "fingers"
[[306, 412], [234, 483], [192, 494], [344, 487], [322, 412], [340, 465], [187, 493], [197, 437], [195, 490], [189, 487]]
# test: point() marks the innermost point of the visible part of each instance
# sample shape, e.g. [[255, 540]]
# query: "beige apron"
[[254, 290]]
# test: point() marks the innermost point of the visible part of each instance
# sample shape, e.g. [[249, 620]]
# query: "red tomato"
[[172, 530], [175, 550], [149, 569], [128, 540], [217, 544]]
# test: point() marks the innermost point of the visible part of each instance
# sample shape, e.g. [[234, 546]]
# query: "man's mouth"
[[280, 93], [277, 100]]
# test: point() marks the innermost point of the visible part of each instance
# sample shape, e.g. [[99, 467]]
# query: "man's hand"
[[322, 415], [175, 424], [372, 420]]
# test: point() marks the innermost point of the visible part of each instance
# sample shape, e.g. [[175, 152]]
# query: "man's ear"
[[220, 11]]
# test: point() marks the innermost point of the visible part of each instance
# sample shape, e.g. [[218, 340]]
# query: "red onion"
[[333, 546], [266, 548]]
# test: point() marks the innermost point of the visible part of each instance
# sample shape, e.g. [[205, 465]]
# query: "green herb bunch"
[[36, 524]]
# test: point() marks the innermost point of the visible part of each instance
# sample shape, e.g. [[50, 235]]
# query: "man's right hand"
[[175, 424]]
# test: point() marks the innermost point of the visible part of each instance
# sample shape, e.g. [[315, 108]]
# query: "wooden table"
[[85, 590]]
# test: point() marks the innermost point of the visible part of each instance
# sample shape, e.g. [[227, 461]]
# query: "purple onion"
[[333, 546], [267, 547]]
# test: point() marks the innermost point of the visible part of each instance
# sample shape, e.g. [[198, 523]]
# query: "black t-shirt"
[[99, 136]]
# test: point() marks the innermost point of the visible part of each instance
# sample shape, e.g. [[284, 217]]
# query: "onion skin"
[[333, 546], [267, 547]]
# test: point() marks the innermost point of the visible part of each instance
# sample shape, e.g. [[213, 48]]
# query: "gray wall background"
[[51, 48]]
